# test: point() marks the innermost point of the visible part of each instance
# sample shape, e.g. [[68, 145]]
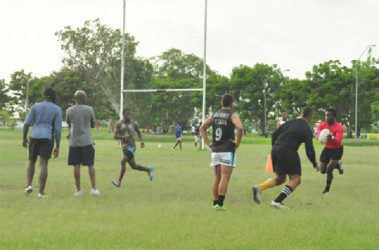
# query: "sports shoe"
[[278, 205], [28, 190], [117, 183], [151, 176], [325, 192], [256, 195], [42, 196], [78, 193], [94, 192], [219, 208], [340, 169]]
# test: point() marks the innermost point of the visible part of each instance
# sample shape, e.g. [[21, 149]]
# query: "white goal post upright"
[[204, 67], [164, 90], [122, 63]]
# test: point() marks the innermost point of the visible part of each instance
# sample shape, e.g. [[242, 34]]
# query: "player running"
[[332, 153], [124, 131]]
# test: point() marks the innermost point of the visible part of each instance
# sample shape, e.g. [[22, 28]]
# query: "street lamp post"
[[27, 96], [356, 89]]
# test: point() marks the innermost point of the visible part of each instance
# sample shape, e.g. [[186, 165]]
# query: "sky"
[[293, 34]]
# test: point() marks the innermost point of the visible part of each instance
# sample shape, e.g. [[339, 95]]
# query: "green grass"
[[174, 211]]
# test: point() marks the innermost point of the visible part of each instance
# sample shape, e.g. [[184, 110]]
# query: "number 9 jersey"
[[223, 131]]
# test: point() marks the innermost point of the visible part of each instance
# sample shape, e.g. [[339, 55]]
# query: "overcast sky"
[[294, 34]]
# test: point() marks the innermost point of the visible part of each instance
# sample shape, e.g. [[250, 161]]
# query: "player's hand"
[[25, 143], [317, 168], [329, 137], [55, 153], [142, 144]]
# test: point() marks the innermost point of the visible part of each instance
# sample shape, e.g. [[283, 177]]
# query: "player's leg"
[[92, 174], [293, 183], [74, 159], [45, 152], [337, 155], [77, 177], [30, 169], [325, 158], [216, 183], [226, 172], [136, 166], [43, 162], [329, 174], [271, 182]]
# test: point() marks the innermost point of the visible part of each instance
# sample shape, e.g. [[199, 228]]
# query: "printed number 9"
[[218, 134]]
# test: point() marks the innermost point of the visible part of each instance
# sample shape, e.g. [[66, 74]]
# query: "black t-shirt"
[[292, 133], [223, 131]]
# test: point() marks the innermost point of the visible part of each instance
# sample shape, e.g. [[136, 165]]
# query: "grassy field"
[[175, 210]]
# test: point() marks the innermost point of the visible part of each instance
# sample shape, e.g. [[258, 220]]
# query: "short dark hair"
[[50, 94], [333, 111], [227, 100], [125, 110], [307, 112]]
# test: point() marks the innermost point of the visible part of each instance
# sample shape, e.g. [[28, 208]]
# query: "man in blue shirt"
[[46, 118], [178, 136]]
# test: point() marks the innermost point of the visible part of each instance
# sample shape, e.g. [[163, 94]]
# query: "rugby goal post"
[[164, 90]]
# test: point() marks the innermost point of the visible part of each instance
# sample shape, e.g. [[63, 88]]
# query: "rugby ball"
[[323, 135]]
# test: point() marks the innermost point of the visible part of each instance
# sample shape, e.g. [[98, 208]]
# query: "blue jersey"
[[44, 116], [178, 131]]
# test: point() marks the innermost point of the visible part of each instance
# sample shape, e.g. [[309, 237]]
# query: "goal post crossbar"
[[158, 90]]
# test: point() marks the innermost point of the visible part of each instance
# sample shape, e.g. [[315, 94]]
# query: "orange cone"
[[269, 164]]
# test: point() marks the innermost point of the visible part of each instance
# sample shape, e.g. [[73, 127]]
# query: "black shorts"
[[82, 155], [331, 153], [129, 152], [285, 161], [41, 147]]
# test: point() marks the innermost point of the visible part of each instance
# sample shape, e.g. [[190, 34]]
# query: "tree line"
[[93, 64]]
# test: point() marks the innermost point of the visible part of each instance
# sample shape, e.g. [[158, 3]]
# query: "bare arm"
[[238, 125], [203, 130], [117, 135], [139, 134]]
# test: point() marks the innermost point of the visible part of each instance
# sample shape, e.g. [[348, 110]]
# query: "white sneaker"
[[94, 192], [78, 193], [42, 196], [28, 190], [278, 205], [256, 195]]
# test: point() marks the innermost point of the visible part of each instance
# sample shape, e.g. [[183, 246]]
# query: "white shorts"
[[224, 158]]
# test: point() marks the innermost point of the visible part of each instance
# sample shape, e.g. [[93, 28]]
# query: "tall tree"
[[175, 69], [4, 97], [250, 86], [94, 50]]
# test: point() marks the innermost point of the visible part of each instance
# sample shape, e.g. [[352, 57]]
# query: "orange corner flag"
[[269, 164]]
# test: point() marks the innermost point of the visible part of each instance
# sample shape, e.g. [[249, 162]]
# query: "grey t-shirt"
[[82, 119]]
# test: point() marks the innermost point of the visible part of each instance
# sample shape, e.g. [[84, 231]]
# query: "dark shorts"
[[331, 153], [82, 155], [41, 147], [285, 161], [129, 152]]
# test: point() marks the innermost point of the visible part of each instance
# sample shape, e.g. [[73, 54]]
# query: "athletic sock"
[[287, 190], [267, 184], [215, 202], [328, 183], [221, 199]]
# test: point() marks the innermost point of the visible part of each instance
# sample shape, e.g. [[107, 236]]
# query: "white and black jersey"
[[223, 131]]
